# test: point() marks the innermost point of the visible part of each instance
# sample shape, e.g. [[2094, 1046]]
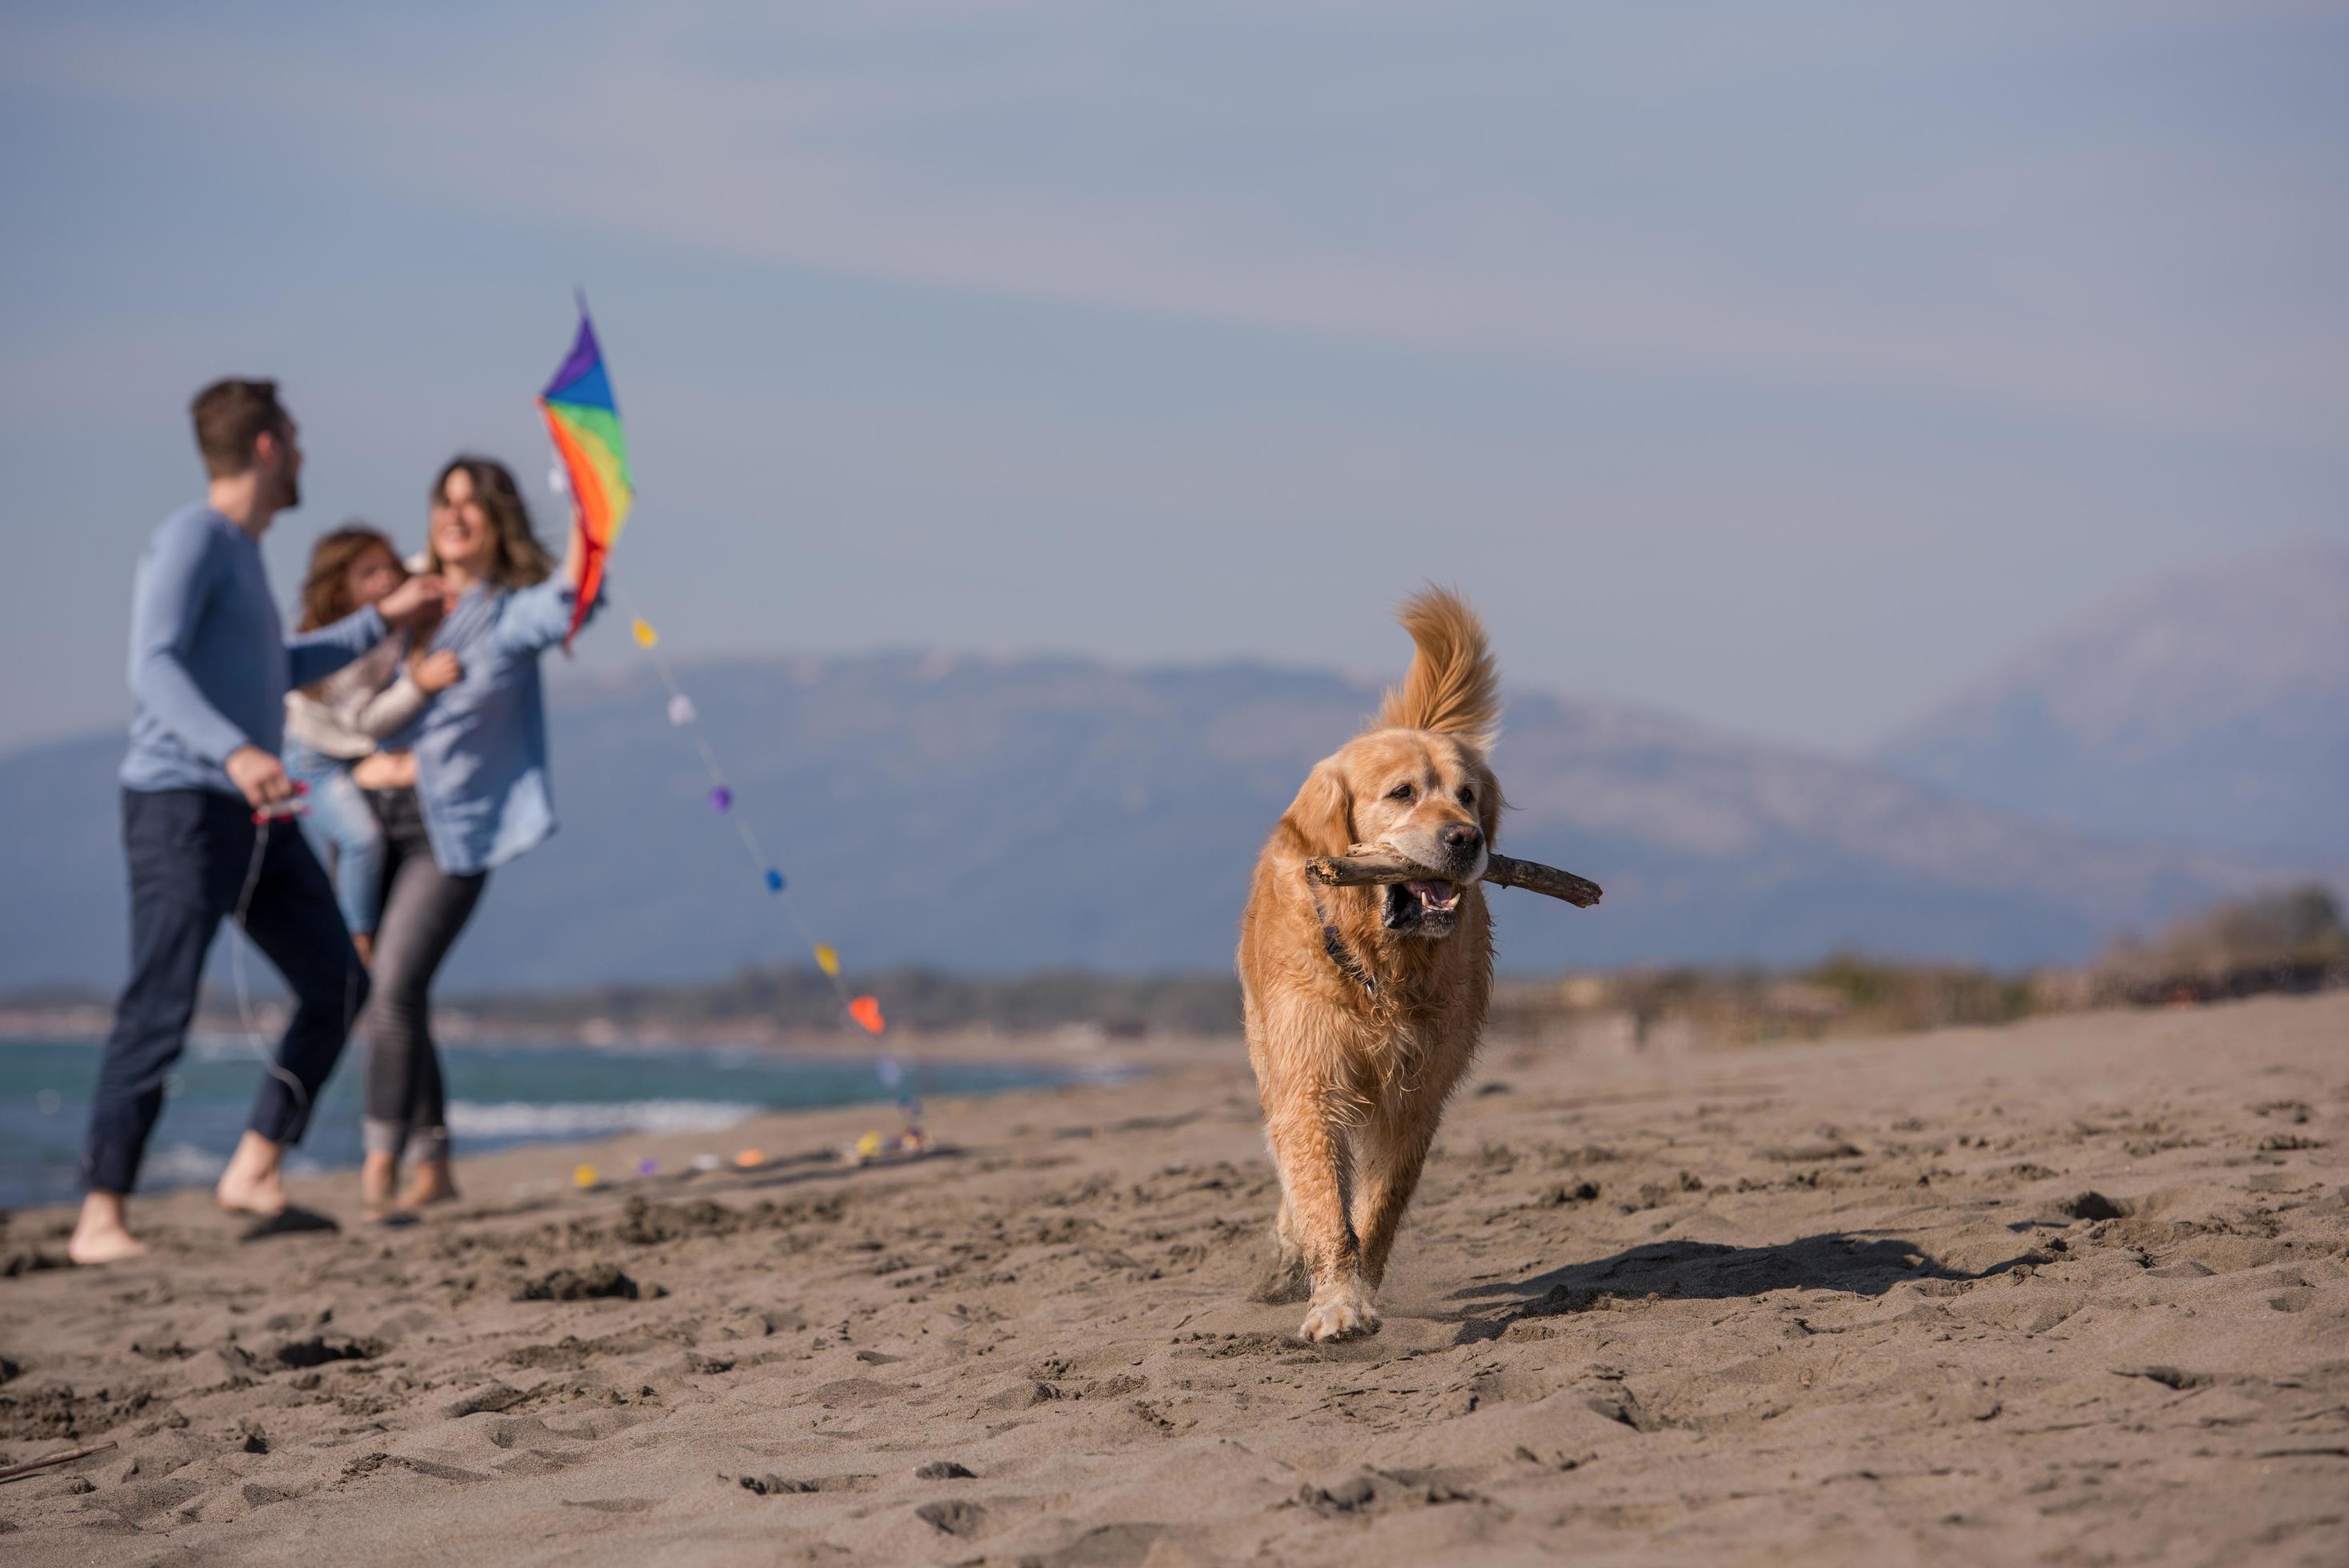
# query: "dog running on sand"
[[1364, 1004]]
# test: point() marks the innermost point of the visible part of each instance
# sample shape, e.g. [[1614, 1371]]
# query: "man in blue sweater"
[[209, 668]]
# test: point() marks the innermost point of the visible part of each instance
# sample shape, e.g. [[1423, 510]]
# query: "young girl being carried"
[[335, 725]]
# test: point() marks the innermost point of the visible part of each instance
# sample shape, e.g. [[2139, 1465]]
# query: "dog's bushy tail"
[[1453, 687]]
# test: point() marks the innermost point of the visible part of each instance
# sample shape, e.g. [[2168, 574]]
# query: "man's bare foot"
[[378, 1174], [103, 1243], [251, 1185], [100, 1236], [433, 1182]]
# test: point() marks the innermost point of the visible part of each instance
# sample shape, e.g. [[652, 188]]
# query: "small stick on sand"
[[1366, 865], [62, 1457]]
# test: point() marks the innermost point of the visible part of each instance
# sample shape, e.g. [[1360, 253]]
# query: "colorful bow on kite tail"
[[585, 425]]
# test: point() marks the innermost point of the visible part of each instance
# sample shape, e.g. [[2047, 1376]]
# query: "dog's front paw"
[[1339, 1312]]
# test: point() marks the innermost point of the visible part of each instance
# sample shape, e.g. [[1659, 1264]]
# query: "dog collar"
[[1333, 943]]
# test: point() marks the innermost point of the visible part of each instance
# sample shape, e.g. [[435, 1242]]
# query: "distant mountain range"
[[2208, 709], [1007, 814]]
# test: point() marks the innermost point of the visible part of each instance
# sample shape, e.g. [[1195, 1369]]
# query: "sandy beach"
[[2073, 1291]]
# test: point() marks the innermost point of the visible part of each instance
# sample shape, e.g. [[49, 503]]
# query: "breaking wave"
[[521, 1119]]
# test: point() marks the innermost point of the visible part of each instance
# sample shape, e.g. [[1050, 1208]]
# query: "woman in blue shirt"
[[477, 798]]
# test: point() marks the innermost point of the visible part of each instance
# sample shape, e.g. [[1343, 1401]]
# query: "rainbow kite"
[[585, 425]]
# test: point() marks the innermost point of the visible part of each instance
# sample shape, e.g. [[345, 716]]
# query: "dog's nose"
[[1462, 839]]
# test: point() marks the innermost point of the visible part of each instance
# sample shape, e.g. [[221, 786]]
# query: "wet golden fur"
[[1354, 1079]]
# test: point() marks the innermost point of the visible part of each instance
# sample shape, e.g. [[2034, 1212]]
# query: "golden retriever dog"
[[1364, 1004]]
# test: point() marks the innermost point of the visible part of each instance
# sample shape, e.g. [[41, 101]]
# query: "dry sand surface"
[[2076, 1291]]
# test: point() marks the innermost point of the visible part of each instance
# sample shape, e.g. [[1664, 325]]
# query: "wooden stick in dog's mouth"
[[1367, 865]]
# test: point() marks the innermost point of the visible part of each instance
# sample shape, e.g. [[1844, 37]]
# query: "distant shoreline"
[[502, 1092], [78, 1026]]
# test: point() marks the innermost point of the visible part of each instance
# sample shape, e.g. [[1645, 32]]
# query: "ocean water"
[[500, 1095]]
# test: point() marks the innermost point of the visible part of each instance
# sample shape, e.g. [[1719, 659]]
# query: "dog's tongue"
[[1438, 894]]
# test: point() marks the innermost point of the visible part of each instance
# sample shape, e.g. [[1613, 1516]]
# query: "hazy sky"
[[1785, 366]]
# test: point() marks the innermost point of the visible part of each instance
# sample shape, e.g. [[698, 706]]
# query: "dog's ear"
[[1489, 804], [1321, 820]]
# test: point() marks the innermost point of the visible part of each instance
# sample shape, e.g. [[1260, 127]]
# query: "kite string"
[[264, 821]]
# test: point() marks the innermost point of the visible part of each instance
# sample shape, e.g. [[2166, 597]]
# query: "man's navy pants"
[[190, 852]]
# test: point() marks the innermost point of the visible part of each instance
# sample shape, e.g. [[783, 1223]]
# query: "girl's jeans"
[[341, 821]]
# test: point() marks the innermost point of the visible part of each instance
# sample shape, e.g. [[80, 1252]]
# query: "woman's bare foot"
[[364, 942], [433, 1182], [251, 1185], [378, 1174], [100, 1236]]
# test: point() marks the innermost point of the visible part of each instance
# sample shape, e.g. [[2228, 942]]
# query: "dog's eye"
[[1400, 792], [1467, 796]]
